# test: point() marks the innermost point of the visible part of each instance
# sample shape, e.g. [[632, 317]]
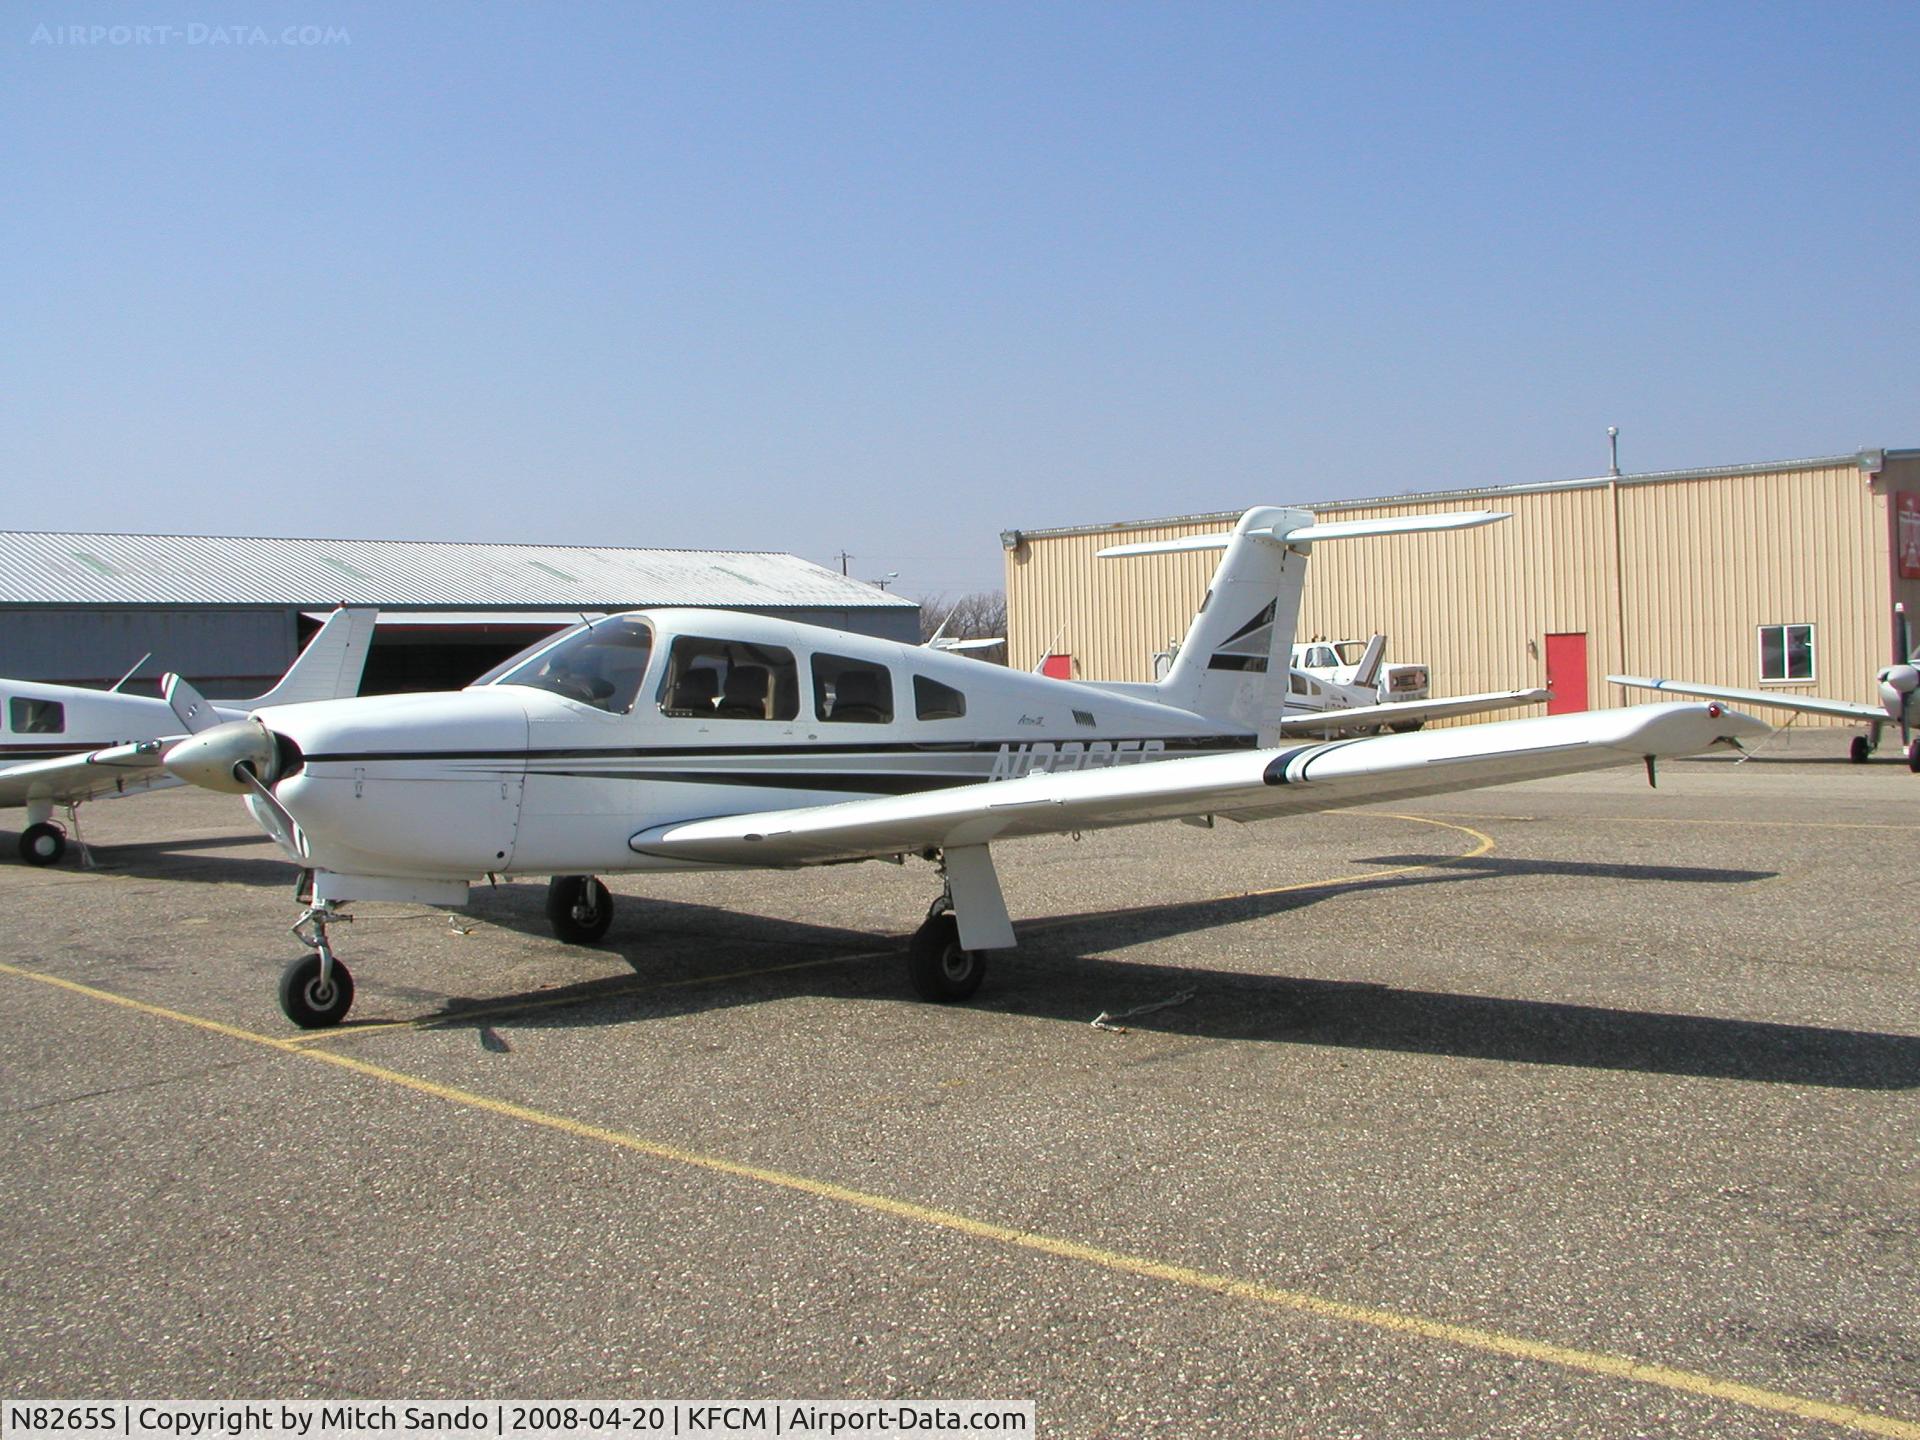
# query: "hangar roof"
[[57, 568]]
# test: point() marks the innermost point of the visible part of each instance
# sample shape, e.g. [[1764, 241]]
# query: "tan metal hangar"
[[1779, 576]]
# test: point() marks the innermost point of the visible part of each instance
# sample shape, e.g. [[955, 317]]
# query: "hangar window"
[[934, 701], [851, 690], [730, 680], [601, 664], [36, 717], [1786, 652]]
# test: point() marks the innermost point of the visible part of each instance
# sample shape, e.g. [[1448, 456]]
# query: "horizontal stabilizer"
[[1309, 534]]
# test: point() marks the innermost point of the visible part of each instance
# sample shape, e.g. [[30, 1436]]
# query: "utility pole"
[[844, 557]]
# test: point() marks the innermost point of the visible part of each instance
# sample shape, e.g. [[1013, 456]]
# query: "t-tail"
[[1233, 665]]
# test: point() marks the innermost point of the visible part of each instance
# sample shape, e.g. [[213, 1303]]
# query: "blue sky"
[[890, 278]]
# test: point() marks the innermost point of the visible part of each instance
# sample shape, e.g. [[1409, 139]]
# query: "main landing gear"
[[940, 969], [579, 908], [1860, 750], [43, 843]]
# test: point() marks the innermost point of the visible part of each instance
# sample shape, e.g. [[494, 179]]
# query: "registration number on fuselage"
[[1044, 757]]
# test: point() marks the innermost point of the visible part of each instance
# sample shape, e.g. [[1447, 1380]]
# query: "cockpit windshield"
[[599, 664]]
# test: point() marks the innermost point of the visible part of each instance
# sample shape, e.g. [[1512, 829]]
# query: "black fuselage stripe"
[[1170, 745]]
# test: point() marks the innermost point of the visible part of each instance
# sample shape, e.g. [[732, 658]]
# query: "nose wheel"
[[316, 990], [314, 1001]]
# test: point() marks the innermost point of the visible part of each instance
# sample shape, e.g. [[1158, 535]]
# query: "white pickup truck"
[[1356, 662]]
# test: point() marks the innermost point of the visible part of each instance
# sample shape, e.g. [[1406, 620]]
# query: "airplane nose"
[[211, 758]]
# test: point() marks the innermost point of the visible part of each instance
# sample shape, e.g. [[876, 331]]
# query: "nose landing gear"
[[316, 990]]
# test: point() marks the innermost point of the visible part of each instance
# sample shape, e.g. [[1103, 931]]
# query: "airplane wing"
[[1252, 785], [69, 779], [1811, 704], [1399, 712]]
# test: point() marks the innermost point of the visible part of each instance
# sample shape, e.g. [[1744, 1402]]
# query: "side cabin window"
[[601, 665], [856, 691], [1296, 683], [934, 701], [36, 717], [730, 680]]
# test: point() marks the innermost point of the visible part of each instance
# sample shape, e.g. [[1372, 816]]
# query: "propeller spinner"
[[240, 757]]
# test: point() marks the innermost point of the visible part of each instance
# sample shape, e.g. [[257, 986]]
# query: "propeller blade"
[[189, 706], [273, 816], [1902, 638]]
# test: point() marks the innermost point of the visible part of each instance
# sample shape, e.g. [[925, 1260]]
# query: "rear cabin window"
[[730, 680], [36, 717], [934, 701], [851, 691]]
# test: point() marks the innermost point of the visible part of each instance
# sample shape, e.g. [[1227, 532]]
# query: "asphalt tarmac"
[[1566, 1109]]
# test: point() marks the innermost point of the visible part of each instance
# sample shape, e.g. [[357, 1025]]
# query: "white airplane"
[[698, 739], [1320, 706], [1899, 700], [65, 744]]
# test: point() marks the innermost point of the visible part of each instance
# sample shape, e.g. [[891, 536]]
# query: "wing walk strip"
[[1493, 1342]]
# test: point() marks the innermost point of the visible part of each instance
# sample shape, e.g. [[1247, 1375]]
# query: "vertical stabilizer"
[[331, 665], [1233, 665]]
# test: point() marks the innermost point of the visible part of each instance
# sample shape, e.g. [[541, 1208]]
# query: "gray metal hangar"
[[230, 614], [1774, 576]]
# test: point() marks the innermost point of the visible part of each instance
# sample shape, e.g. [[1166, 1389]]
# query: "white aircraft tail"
[[1233, 665], [1367, 674], [331, 665]]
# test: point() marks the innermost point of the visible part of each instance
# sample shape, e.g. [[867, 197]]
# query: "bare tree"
[[977, 615]]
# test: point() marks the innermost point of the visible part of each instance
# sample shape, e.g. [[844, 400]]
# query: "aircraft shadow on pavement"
[[182, 858], [691, 959]]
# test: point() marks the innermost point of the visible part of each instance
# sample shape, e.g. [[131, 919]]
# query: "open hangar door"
[[444, 650]]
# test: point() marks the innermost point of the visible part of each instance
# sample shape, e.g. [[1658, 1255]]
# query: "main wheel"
[[42, 844], [939, 968], [308, 1003], [1860, 749], [1913, 757], [1407, 727], [579, 908]]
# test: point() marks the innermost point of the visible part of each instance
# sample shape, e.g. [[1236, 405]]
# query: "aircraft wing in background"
[[1809, 704], [1405, 712]]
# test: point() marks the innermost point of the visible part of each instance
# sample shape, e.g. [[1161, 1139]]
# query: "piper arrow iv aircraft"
[[700, 739], [1899, 700], [64, 744]]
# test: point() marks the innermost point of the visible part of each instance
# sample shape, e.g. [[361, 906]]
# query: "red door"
[[1567, 673]]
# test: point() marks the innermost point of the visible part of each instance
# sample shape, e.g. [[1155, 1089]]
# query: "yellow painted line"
[[1493, 1342], [1743, 823]]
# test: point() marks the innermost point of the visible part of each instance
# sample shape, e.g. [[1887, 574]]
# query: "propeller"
[[1900, 679], [240, 757]]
